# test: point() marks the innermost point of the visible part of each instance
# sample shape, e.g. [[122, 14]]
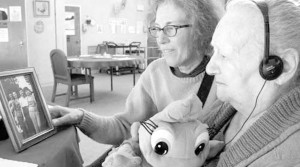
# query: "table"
[[101, 61], [59, 150], [123, 46], [119, 46]]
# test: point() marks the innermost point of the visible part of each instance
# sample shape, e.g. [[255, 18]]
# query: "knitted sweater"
[[274, 137], [156, 88]]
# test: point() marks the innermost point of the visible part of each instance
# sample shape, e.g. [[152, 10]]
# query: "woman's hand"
[[65, 116], [135, 131]]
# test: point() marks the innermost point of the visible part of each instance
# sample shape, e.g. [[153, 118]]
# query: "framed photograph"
[[41, 8], [23, 108]]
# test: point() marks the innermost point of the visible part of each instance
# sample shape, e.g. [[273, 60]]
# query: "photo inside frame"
[[26, 115], [21, 95]]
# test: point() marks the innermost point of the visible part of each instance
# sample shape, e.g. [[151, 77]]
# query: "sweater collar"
[[199, 69], [279, 117]]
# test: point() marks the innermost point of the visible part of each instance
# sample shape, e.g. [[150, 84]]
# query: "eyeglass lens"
[[169, 30]]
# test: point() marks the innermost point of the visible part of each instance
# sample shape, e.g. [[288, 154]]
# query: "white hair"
[[284, 22]]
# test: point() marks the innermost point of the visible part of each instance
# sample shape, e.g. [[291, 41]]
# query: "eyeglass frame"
[[163, 29]]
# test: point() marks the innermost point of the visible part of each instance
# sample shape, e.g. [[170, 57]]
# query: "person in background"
[[11, 107], [260, 79], [11, 102], [33, 110], [183, 31], [19, 116], [24, 105]]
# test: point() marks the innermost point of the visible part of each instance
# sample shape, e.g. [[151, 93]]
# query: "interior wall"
[[102, 14], [40, 44]]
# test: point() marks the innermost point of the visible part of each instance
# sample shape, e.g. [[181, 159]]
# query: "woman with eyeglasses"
[[183, 30]]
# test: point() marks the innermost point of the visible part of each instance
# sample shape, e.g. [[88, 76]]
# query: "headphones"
[[271, 66]]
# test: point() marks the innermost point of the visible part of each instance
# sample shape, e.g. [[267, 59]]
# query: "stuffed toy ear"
[[215, 147], [183, 110]]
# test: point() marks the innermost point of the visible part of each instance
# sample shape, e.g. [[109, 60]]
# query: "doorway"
[[72, 30], [13, 41]]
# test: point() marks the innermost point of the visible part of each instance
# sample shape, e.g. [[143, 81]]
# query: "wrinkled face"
[[176, 50], [174, 144], [237, 55]]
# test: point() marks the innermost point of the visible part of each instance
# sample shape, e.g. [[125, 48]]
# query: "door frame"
[[80, 27]]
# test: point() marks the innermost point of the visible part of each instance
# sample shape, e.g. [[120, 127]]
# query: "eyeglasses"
[[169, 30]]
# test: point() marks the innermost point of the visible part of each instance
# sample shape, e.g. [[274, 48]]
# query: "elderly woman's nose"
[[212, 67], [162, 38]]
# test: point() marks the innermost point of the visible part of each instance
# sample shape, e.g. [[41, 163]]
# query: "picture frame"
[[41, 8], [23, 108]]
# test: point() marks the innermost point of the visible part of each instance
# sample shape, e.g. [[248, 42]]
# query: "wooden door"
[[72, 29], [13, 43]]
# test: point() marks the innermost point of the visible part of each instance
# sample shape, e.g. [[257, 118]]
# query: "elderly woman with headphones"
[[256, 69]]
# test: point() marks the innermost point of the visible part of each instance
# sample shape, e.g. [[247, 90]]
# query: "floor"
[[106, 103]]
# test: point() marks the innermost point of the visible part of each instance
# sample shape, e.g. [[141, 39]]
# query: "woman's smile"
[[168, 51]]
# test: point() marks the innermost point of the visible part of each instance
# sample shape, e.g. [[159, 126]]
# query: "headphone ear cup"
[[271, 68]]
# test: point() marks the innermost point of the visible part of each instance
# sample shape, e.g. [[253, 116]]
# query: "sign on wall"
[[3, 32], [15, 14], [69, 23]]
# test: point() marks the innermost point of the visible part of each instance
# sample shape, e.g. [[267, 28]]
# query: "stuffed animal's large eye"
[[201, 142], [200, 148], [161, 148], [161, 141]]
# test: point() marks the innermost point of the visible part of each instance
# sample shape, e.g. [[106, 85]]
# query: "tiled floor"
[[106, 103]]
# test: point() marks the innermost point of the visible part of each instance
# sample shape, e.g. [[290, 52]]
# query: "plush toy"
[[126, 155], [173, 137]]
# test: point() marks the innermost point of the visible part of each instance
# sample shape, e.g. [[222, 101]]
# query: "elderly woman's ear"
[[290, 59]]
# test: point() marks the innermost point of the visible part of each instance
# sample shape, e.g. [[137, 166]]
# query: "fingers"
[[65, 116], [135, 131], [58, 115], [54, 111], [64, 120]]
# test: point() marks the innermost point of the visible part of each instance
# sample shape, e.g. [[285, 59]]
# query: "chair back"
[[60, 66], [101, 48], [110, 47], [135, 44]]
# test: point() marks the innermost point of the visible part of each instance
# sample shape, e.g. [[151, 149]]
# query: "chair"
[[136, 45], [135, 48], [101, 48], [110, 47], [63, 74]]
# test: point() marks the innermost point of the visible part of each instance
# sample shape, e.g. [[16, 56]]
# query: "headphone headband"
[[271, 66], [263, 7]]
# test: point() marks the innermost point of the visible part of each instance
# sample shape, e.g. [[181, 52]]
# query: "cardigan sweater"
[[274, 137], [156, 88]]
